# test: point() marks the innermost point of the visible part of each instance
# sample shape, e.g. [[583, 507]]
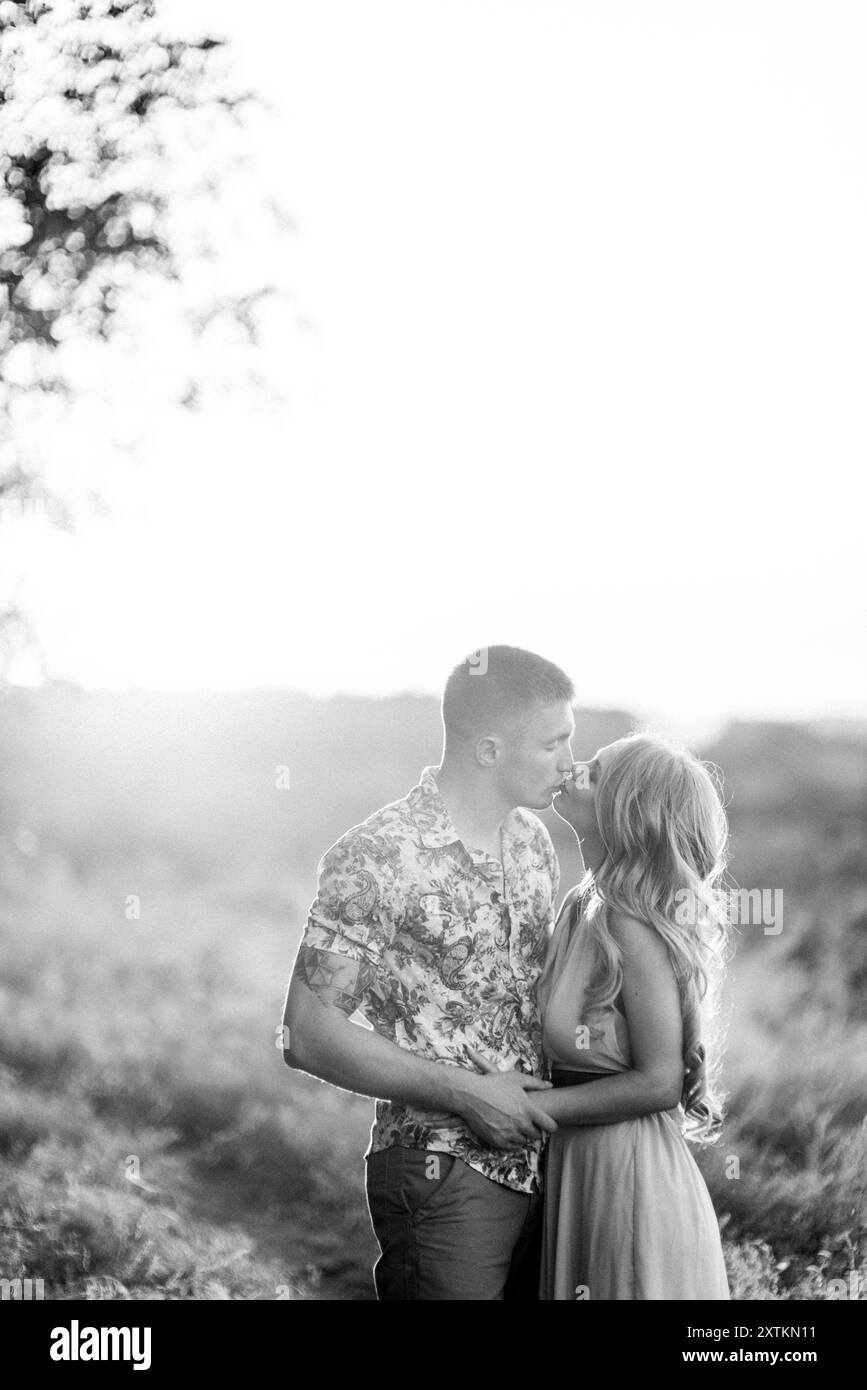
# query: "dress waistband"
[[562, 1076]]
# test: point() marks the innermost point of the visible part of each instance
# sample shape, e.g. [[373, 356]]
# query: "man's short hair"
[[496, 684]]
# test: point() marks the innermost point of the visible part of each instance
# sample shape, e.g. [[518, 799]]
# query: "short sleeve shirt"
[[454, 942]]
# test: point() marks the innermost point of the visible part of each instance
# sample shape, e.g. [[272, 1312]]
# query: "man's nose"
[[564, 764]]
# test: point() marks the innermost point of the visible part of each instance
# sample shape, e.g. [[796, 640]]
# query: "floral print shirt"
[[453, 943]]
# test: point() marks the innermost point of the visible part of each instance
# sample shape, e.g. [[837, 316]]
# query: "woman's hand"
[[481, 1062]]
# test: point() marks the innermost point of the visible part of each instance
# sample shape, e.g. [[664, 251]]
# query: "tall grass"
[[152, 1142]]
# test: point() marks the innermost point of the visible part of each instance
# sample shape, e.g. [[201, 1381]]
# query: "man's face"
[[536, 754]]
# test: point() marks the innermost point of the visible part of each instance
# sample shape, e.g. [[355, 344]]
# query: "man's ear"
[[488, 750]]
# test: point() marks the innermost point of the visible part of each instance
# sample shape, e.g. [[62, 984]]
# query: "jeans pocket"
[[376, 1167], [424, 1179]]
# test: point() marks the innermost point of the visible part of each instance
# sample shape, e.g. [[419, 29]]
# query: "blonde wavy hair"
[[663, 826]]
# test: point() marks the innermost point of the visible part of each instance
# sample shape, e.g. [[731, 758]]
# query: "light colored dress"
[[627, 1212]]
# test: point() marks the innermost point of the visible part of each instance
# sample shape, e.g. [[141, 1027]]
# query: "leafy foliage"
[[97, 100]]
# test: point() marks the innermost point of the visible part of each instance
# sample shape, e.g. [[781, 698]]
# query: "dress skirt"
[[628, 1215]]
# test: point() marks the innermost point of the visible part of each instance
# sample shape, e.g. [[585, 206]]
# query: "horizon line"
[[716, 719]]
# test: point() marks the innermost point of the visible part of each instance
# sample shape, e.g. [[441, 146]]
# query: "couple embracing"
[[538, 1075]]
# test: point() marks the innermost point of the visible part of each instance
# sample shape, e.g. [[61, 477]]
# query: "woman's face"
[[575, 803]]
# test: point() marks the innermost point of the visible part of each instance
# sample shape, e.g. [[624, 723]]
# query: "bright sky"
[[585, 369]]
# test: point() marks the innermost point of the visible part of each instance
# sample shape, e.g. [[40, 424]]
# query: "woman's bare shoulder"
[[635, 934]]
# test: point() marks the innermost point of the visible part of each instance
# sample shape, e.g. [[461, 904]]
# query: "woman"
[[628, 994]]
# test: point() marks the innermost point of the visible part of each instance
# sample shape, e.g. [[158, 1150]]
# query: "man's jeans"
[[447, 1232]]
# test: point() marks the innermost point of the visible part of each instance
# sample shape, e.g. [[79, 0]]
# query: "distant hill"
[[843, 730], [192, 778], [794, 768]]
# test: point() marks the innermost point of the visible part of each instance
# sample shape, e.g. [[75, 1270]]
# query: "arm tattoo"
[[335, 980]]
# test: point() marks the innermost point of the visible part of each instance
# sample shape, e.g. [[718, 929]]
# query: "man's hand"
[[498, 1109], [695, 1077]]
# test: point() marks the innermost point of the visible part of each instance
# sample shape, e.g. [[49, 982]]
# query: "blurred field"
[[153, 1144]]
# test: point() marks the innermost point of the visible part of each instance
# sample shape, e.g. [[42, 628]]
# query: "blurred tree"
[[89, 96]]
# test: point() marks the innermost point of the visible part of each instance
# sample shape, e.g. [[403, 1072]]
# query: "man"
[[432, 918]]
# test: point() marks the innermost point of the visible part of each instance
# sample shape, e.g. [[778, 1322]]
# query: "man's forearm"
[[358, 1059]]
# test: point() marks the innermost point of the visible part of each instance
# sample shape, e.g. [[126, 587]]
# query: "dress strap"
[[574, 912]]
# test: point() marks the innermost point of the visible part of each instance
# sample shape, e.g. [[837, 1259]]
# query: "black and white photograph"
[[433, 698]]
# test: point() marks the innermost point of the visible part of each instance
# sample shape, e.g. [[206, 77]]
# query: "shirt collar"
[[434, 822]]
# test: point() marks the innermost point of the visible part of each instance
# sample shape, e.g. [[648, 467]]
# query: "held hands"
[[499, 1110]]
